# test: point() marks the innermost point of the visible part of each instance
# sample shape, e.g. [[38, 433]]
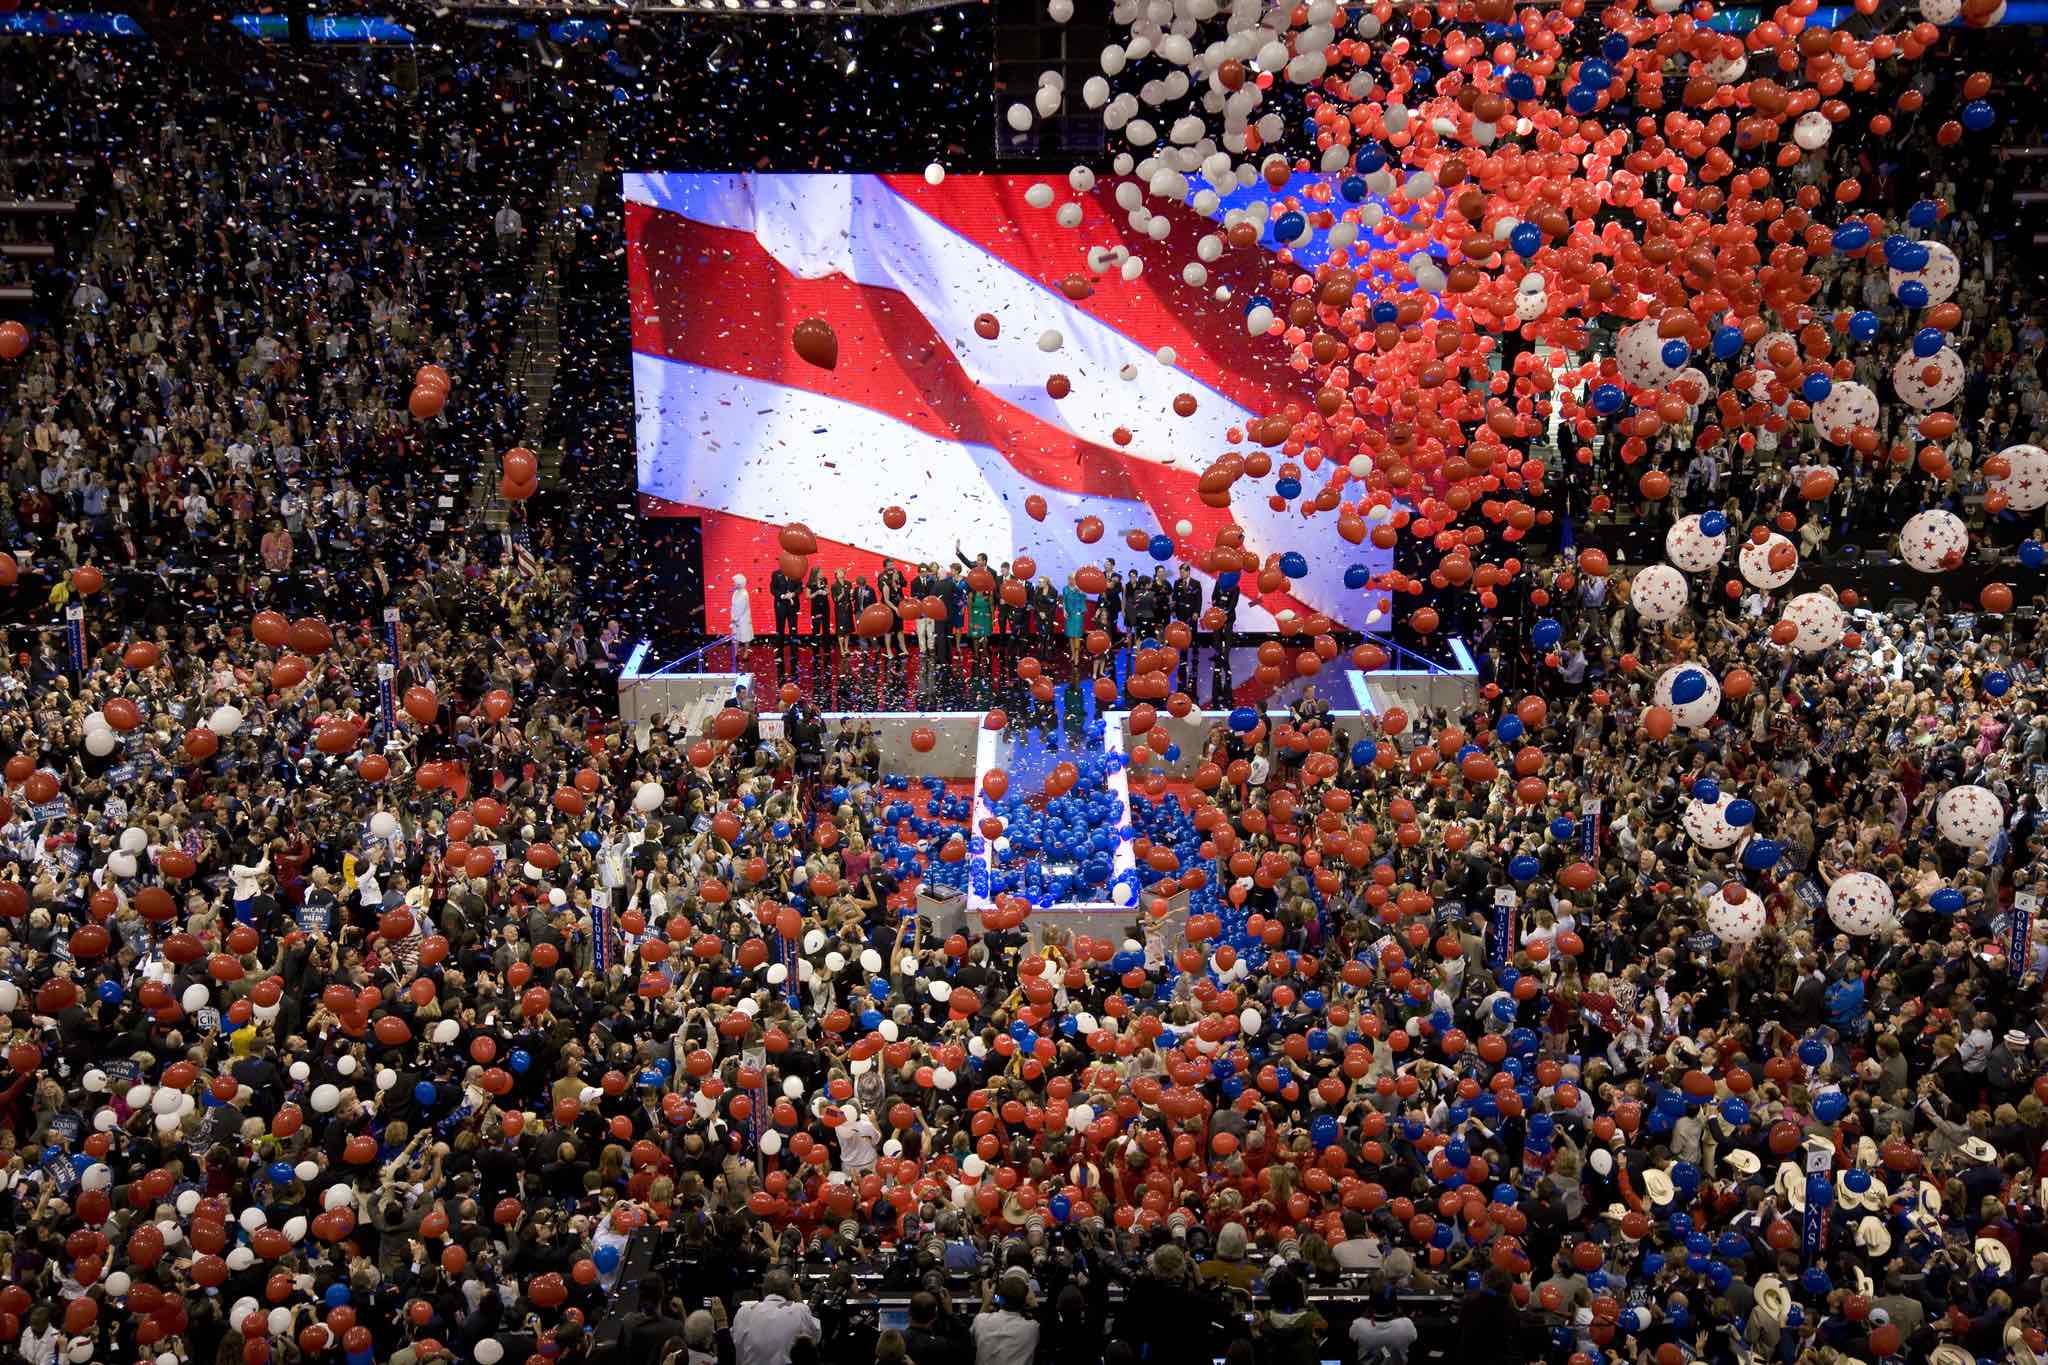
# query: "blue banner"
[[1589, 829], [387, 700], [1501, 942], [2019, 944], [789, 982], [74, 635], [601, 930], [69, 23], [391, 638]]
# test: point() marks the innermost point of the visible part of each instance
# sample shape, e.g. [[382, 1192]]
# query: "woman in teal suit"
[[1075, 604]]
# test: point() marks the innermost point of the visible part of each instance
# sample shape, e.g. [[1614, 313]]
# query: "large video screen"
[[926, 412]]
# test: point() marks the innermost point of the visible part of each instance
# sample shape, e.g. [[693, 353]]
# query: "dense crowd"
[[394, 1015]]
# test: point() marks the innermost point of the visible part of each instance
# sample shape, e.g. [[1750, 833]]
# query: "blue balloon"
[[1061, 1206], [605, 1258], [1608, 398], [1294, 564], [1735, 1110], [1371, 157], [111, 992], [1363, 752], [1563, 827], [1161, 548], [1727, 342], [1820, 1189], [1997, 682], [1596, 73], [520, 1060], [1546, 633], [1928, 340], [1897, 249], [1352, 188], [1244, 720], [1857, 1179], [1676, 353], [1385, 312], [1812, 1051], [1830, 1106], [424, 1092], [1356, 576], [1322, 1130], [1979, 115], [1523, 867], [1287, 487], [1761, 855], [1741, 812], [1688, 687], [1924, 213], [1947, 901], [870, 1020], [1863, 324], [1614, 47], [1815, 1281], [281, 1172], [1706, 789], [1713, 523], [1526, 239], [2033, 554], [336, 1295], [1913, 294], [1852, 237], [1289, 226], [1815, 387], [1521, 86], [1510, 729]]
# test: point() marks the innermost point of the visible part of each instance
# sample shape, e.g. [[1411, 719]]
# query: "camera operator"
[[1004, 1331], [936, 1335]]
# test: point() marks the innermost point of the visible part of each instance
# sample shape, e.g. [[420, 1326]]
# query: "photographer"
[[1004, 1334]]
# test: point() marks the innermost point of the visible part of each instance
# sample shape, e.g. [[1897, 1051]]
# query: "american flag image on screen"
[[922, 411]]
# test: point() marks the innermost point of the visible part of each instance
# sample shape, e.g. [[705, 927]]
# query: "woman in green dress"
[[981, 612]]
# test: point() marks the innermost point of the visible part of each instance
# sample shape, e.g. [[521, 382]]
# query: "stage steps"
[[537, 349]]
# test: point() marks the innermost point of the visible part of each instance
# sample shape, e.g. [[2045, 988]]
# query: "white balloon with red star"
[[1707, 822], [2025, 485], [1690, 714], [1927, 382], [1735, 922], [1659, 593], [1942, 273], [1969, 816], [1860, 903], [1934, 541], [1819, 619], [1691, 548], [1639, 355], [1769, 564], [1848, 405]]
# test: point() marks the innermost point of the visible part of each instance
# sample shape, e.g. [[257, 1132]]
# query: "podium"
[[943, 909]]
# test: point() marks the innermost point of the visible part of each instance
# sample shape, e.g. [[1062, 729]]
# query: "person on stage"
[[819, 589], [787, 592]]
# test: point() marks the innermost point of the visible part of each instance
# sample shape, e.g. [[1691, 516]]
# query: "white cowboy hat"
[[1870, 1200], [1773, 1300], [1744, 1161], [1874, 1237], [1990, 1253], [1950, 1354], [1657, 1186], [1790, 1184], [1928, 1197], [1979, 1151], [1866, 1152], [2016, 1328], [1863, 1284]]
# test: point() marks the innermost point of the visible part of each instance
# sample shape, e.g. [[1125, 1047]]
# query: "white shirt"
[[764, 1330], [1004, 1338], [40, 1350], [1394, 1336], [857, 1143]]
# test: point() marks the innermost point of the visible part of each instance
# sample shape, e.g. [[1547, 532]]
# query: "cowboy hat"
[[1950, 1354], [1744, 1161], [2016, 1329], [1657, 1186], [1773, 1300], [1863, 1284], [1978, 1151], [1874, 1237], [1992, 1254], [1928, 1197], [1790, 1184], [1870, 1199]]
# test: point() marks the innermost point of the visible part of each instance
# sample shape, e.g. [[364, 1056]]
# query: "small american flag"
[[524, 561]]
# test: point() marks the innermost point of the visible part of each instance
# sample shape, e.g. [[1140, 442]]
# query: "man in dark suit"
[[1223, 597], [1187, 607], [952, 592], [787, 593]]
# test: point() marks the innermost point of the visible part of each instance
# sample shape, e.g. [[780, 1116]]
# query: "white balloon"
[[793, 1086], [100, 743], [934, 174], [133, 840], [383, 824], [1942, 273], [1639, 354], [242, 1310], [2026, 486], [771, 1142], [295, 1228], [337, 1197], [306, 1170], [446, 1031], [300, 1070], [647, 797], [1848, 405], [944, 1078], [835, 961], [325, 1098], [1697, 712], [1250, 1022], [888, 1030], [1939, 12], [1754, 561], [1928, 382], [1934, 541], [253, 1218], [1819, 620], [137, 1096], [1860, 903], [778, 972], [165, 1101], [121, 864], [870, 961], [1707, 822], [1659, 593], [97, 1176], [186, 1202], [95, 1080], [225, 720], [1692, 549], [1812, 130], [118, 1283], [346, 1065], [386, 1078], [489, 1351], [279, 1319], [1735, 923], [1969, 816]]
